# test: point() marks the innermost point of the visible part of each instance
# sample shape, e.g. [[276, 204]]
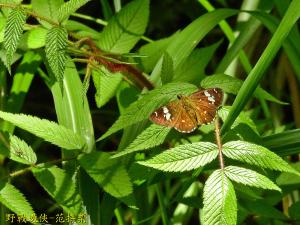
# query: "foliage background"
[[274, 121]]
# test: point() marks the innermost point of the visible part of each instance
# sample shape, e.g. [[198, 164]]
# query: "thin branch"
[[27, 169], [219, 142]]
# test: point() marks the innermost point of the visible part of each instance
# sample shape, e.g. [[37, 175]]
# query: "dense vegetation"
[[79, 80]]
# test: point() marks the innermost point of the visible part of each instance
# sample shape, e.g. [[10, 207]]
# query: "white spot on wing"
[[155, 114], [165, 109], [211, 99], [206, 93], [167, 114]]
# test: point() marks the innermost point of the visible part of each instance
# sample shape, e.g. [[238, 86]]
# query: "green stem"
[[119, 216], [162, 205], [102, 22]]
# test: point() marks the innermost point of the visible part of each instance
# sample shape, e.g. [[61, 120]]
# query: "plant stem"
[[119, 216], [219, 142], [27, 169], [162, 206]]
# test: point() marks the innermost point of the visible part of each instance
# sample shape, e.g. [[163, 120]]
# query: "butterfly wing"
[[205, 103], [175, 115]]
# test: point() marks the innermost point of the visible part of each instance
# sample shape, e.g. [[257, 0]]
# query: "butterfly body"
[[189, 112]]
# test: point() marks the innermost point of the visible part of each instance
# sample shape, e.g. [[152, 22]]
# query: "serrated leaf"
[[48, 130], [12, 33], [249, 177], [142, 108], [108, 173], [20, 151], [232, 85], [256, 155], [56, 43], [149, 138], [59, 186], [242, 118], [167, 70], [68, 8], [106, 85], [220, 206], [13, 199], [183, 157], [125, 28], [47, 9]]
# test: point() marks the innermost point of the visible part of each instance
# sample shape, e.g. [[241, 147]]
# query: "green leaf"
[[280, 141], [125, 28], [72, 111], [22, 81], [142, 108], [149, 138], [13, 199], [68, 8], [256, 155], [167, 70], [20, 151], [249, 177], [189, 38], [154, 51], [34, 38], [108, 173], [232, 85], [12, 33], [59, 186], [242, 118], [288, 179], [47, 9], [294, 211], [106, 84], [257, 73], [193, 68], [49, 131], [56, 43], [183, 157], [220, 206]]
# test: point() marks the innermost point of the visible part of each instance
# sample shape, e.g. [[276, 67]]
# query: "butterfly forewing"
[[174, 115], [188, 112]]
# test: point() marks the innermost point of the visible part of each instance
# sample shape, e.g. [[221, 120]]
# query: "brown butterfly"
[[188, 112]]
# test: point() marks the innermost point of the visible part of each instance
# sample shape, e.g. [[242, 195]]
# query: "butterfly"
[[188, 112]]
